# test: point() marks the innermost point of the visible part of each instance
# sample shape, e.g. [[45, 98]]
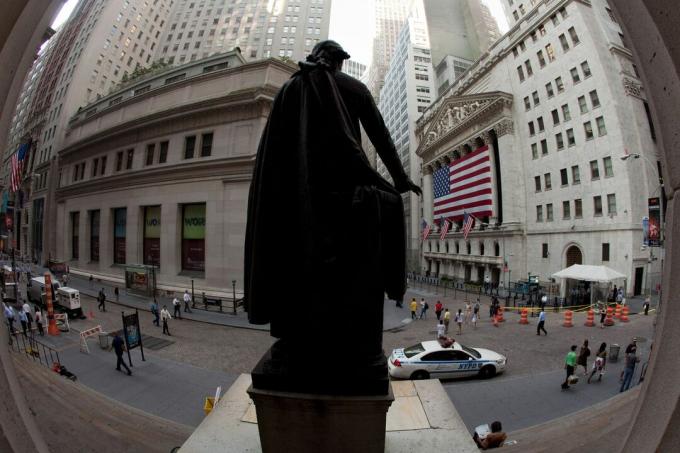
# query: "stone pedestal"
[[300, 422]]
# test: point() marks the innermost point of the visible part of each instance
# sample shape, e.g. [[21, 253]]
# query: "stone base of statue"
[[303, 422]]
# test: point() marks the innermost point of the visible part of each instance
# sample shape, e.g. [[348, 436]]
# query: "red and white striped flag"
[[17, 163], [468, 223], [445, 229], [426, 230]]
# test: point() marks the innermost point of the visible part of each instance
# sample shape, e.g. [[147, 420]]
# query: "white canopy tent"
[[589, 273]]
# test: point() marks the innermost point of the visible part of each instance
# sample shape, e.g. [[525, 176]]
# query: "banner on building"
[[193, 237], [654, 227], [119, 233], [152, 235], [464, 186]]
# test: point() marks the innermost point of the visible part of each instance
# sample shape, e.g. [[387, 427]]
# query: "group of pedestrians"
[[164, 315], [573, 361], [26, 318], [444, 315]]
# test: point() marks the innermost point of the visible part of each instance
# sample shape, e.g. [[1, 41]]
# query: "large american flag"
[[464, 186], [17, 163]]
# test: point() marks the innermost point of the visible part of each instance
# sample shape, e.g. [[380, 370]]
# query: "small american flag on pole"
[[468, 223], [17, 163], [445, 229], [426, 229]]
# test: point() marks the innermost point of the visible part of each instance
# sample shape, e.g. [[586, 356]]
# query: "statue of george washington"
[[325, 238]]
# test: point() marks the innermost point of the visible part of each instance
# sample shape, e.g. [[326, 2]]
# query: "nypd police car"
[[430, 359]]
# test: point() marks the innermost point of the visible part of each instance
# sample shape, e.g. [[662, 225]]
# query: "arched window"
[[496, 249], [481, 248]]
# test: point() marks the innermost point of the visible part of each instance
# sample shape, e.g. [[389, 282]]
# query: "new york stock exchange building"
[[530, 141]]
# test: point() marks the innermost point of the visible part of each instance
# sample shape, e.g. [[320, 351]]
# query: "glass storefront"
[[152, 235]]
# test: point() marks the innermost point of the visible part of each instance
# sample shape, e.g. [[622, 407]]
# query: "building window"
[[539, 213], [586, 70], [534, 151], [130, 158], [544, 147], [541, 58], [537, 183], [575, 175], [193, 237], [594, 99], [520, 73], [564, 177], [206, 144], [564, 42], [601, 129], [537, 100], [559, 84], [566, 210], [549, 89], [550, 52], [582, 104], [571, 139], [611, 14], [189, 146], [597, 205], [578, 209], [152, 235], [150, 148], [574, 36], [544, 250], [541, 30], [541, 125], [75, 235], [608, 169], [574, 75], [547, 181], [119, 232], [611, 204], [555, 117], [605, 251], [559, 141], [594, 170], [549, 212], [94, 235], [119, 160], [103, 166], [527, 65], [555, 20], [527, 103], [532, 131], [163, 153]]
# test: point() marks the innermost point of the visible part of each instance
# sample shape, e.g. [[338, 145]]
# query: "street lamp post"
[[233, 289]]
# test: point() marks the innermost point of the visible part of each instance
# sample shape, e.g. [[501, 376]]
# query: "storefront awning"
[[602, 274]]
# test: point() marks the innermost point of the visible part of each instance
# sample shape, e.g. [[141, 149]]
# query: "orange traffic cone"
[[568, 315], [617, 313], [499, 315], [624, 314], [90, 314], [609, 321], [523, 317], [590, 320]]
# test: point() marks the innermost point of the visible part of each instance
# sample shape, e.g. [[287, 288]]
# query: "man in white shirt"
[[441, 329], [541, 323], [177, 308], [187, 301], [165, 315]]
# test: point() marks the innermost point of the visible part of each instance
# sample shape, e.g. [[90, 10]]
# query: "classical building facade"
[[159, 173], [556, 104]]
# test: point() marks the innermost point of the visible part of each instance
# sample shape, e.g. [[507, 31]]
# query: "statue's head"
[[329, 52]]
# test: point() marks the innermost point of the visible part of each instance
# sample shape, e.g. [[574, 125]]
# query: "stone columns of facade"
[[105, 239], [171, 239], [428, 196], [512, 175], [83, 238], [134, 232], [215, 273], [488, 140]]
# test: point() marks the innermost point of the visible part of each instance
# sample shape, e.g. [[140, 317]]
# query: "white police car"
[[430, 359]]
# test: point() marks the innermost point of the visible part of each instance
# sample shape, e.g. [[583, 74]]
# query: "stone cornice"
[[247, 104], [228, 170], [458, 113]]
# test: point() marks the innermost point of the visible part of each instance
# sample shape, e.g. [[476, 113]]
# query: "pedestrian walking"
[[600, 363], [102, 300], [541, 323], [569, 365], [187, 301], [603, 316], [24, 321], [459, 321], [177, 313], [154, 312], [39, 321], [424, 306], [438, 307], [204, 300], [414, 308], [441, 329], [474, 320], [583, 355], [9, 316], [29, 317], [645, 306], [165, 316], [492, 309], [116, 293], [629, 369], [468, 312], [447, 320], [119, 346], [475, 309]]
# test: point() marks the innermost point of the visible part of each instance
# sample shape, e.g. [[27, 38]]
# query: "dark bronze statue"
[[325, 238]]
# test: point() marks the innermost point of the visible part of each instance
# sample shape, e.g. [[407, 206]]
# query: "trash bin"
[[103, 340], [614, 352], [209, 404]]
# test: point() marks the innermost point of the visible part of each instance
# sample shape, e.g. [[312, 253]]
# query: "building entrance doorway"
[[574, 256], [639, 274]]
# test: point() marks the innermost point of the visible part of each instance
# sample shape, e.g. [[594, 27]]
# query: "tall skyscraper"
[[259, 28], [355, 69]]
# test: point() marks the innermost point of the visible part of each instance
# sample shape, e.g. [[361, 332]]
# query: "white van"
[[69, 300], [36, 292]]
